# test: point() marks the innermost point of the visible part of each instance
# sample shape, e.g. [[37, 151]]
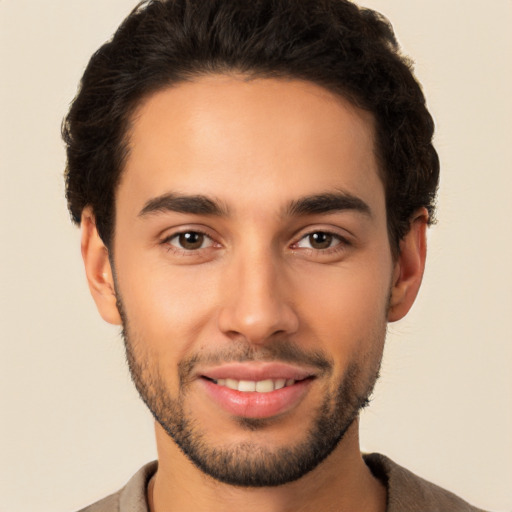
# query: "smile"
[[250, 386]]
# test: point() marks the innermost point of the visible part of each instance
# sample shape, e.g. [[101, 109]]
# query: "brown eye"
[[320, 240], [190, 240]]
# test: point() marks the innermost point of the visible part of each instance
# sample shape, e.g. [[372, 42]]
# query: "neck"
[[341, 482]]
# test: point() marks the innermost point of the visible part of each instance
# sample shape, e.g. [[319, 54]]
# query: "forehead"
[[242, 140]]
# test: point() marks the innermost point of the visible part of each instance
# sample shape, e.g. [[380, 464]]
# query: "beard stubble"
[[248, 464]]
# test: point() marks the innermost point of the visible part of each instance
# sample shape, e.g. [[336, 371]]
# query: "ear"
[[409, 267], [98, 269]]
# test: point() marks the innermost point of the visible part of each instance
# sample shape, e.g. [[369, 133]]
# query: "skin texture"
[[255, 285]]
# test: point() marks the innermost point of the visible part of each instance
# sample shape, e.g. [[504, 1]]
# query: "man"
[[254, 182]]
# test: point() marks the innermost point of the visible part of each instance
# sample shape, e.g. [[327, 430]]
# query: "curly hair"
[[350, 51]]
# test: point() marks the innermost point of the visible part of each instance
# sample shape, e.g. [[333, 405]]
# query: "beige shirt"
[[406, 491]]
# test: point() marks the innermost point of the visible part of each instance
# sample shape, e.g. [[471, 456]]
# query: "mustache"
[[274, 351]]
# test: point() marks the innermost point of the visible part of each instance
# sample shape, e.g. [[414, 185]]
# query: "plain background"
[[72, 428]]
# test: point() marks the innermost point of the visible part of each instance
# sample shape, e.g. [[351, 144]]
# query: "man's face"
[[253, 271]]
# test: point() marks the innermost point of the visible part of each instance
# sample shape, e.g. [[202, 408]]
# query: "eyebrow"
[[319, 204], [193, 204]]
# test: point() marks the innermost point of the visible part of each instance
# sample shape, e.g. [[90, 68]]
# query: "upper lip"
[[256, 371]]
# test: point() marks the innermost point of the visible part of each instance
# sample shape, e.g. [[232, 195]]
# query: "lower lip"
[[254, 404]]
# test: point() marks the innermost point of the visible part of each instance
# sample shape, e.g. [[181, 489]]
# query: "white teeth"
[[247, 385], [232, 384], [261, 386], [264, 386], [279, 383]]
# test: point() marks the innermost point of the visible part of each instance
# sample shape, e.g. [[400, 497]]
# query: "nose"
[[254, 302]]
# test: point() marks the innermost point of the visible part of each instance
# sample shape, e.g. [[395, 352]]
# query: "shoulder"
[[108, 504], [131, 498], [408, 492]]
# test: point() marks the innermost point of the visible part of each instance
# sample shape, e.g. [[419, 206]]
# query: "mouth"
[[254, 386], [256, 390]]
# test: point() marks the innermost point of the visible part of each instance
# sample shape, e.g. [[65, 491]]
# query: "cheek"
[[167, 306], [346, 307]]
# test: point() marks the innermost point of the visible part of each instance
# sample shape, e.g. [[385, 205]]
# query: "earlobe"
[[98, 269], [409, 267]]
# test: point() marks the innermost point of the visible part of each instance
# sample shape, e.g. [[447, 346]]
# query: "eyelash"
[[341, 245], [182, 251]]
